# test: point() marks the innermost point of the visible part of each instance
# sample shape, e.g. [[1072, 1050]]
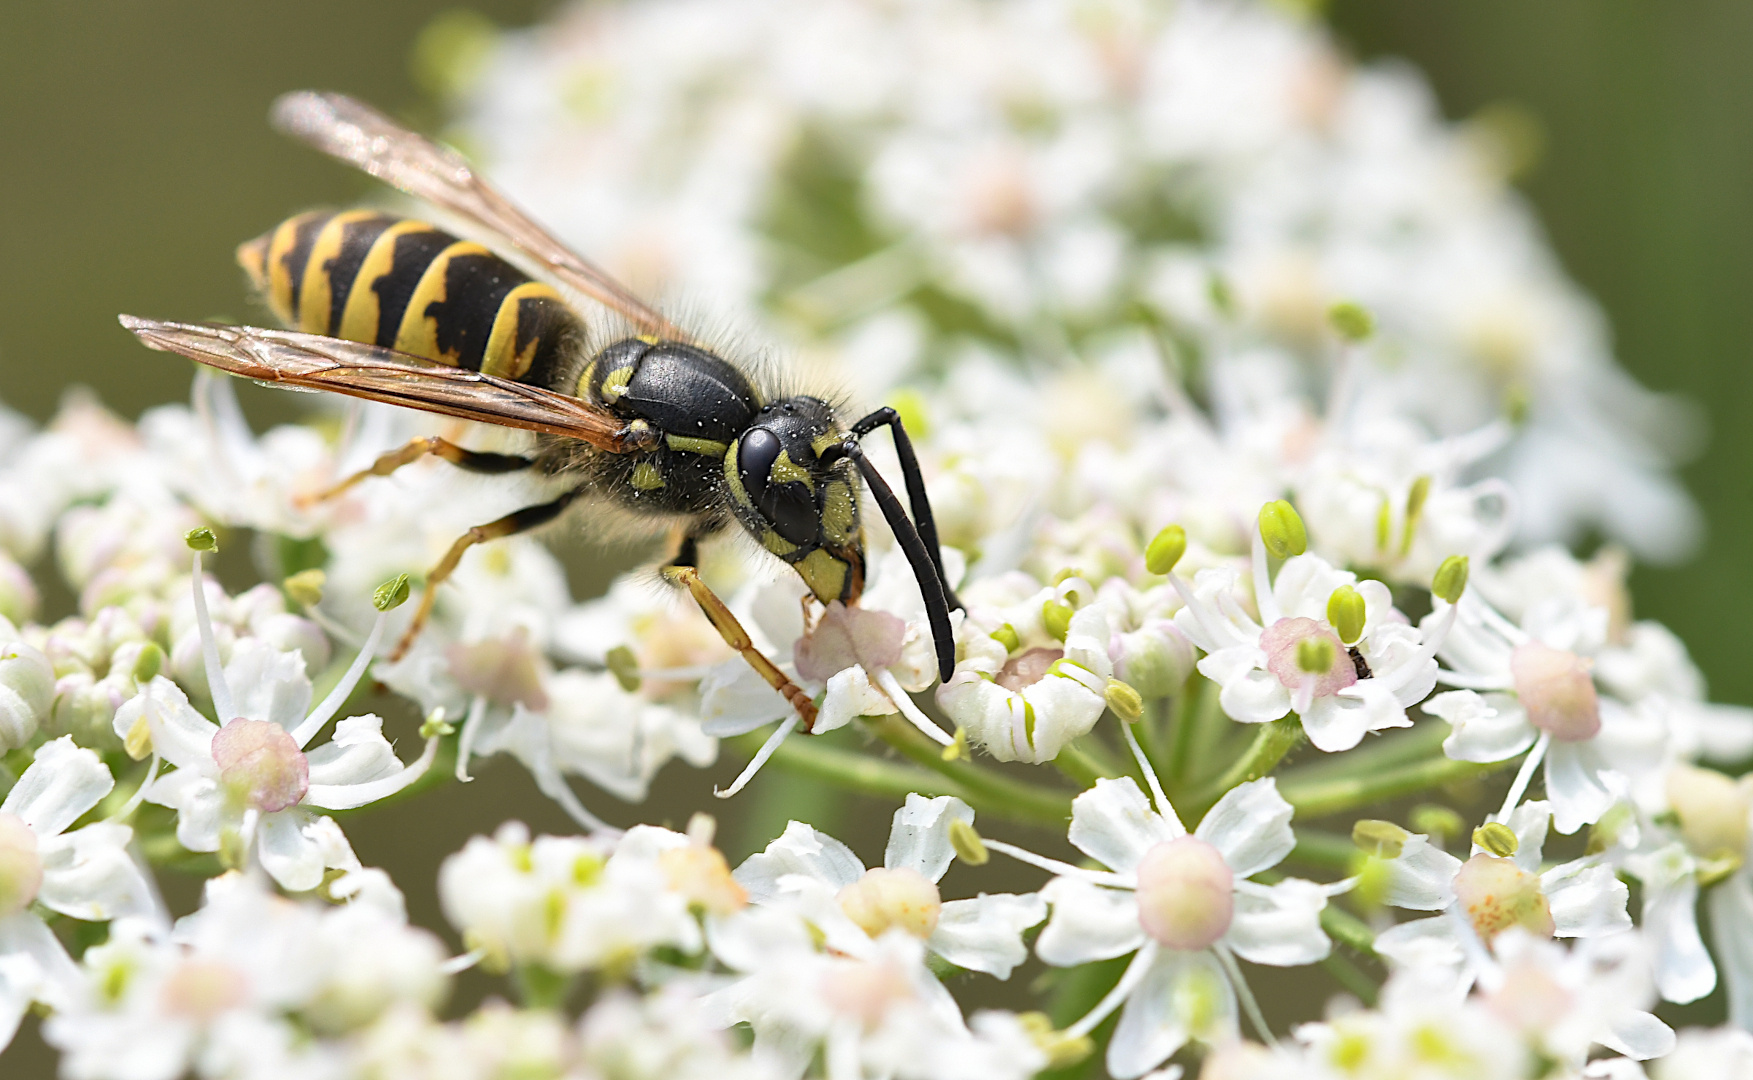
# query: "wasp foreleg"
[[682, 571], [414, 450], [511, 524]]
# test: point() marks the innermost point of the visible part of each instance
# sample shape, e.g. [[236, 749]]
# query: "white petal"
[[1088, 923], [1065, 709], [1249, 693], [1282, 928], [1422, 877], [357, 754], [919, 839], [1487, 727], [734, 701], [89, 874], [1250, 827], [1113, 823], [290, 857], [61, 784], [1580, 785], [198, 804], [1340, 721], [181, 735], [1156, 1022], [58, 978], [1528, 821], [1586, 900], [1638, 1034], [1683, 968], [801, 850], [849, 694], [1731, 935], [986, 933], [1431, 947], [267, 684]]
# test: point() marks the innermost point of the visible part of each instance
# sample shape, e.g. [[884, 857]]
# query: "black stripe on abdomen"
[[413, 254], [474, 287], [356, 241]]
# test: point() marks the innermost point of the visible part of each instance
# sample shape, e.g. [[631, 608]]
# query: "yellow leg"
[[737, 638], [510, 525], [414, 450]]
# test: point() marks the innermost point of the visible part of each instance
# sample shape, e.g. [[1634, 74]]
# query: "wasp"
[[396, 310]]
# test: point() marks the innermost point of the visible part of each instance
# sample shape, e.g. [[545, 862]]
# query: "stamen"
[[1063, 869], [310, 725], [767, 750], [456, 965], [353, 796], [217, 688], [904, 701], [1524, 775], [466, 741], [139, 795], [1263, 598], [1206, 618], [1150, 777], [1245, 994], [1135, 973]]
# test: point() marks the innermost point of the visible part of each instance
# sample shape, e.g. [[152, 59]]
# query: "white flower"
[[822, 879], [1182, 902], [27, 688]]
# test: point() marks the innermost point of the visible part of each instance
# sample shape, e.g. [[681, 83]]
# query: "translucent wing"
[[313, 362], [365, 138]]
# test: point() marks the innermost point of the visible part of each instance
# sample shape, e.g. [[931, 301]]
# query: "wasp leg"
[[916, 498], [682, 570], [414, 450], [510, 525]]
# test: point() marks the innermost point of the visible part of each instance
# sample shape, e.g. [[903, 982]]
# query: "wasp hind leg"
[[683, 570], [519, 521], [415, 449]]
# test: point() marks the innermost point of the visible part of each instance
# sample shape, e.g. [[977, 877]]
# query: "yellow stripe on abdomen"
[[359, 320], [418, 334], [501, 357], [317, 294]]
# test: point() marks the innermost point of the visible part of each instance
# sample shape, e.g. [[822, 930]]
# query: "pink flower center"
[[21, 868], [865, 989], [1280, 642], [885, 898], [1186, 893], [847, 636], [202, 989], [1555, 687], [260, 765], [1497, 894], [500, 669], [1025, 669]]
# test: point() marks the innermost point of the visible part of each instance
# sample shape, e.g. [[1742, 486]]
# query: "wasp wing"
[[313, 362], [367, 139]]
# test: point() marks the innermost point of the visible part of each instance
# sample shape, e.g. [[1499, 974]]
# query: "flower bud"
[[306, 587], [202, 539], [967, 843], [1712, 809], [1186, 893], [18, 594], [1155, 660], [1496, 838], [1345, 610], [147, 663], [1450, 580], [1166, 550], [27, 689], [1281, 527], [1126, 702], [1383, 838], [1352, 321], [884, 898], [391, 594]]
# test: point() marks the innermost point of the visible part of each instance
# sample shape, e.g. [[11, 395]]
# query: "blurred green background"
[[136, 156]]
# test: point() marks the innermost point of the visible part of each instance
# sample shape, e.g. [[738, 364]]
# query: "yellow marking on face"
[[824, 574], [418, 334], [777, 544], [501, 357], [787, 471], [732, 479], [615, 383], [316, 296], [646, 477], [826, 439], [279, 278], [688, 444], [360, 317], [839, 513], [650, 339]]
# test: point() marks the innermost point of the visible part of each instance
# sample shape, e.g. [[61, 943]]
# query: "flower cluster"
[[1254, 417]]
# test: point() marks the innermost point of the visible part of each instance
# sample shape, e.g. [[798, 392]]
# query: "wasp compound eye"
[[780, 488]]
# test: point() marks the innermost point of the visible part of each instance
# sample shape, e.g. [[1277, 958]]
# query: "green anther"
[[1414, 510], [1056, 617], [1450, 580], [1375, 878], [202, 539], [1006, 635], [1315, 655], [149, 663], [1351, 321], [967, 844], [1221, 298], [1516, 403], [1384, 524], [1383, 838], [306, 587], [1713, 870], [957, 750], [1282, 529], [436, 726], [1345, 610], [1066, 574], [391, 594], [624, 666], [1166, 550], [1437, 822], [1127, 703], [1497, 839], [232, 852]]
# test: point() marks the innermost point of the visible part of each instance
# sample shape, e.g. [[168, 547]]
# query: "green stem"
[[1319, 796], [1080, 766], [859, 772], [1184, 720], [997, 794], [1324, 849], [1352, 978], [1152, 731], [539, 987], [1349, 930], [1381, 752], [1274, 740]]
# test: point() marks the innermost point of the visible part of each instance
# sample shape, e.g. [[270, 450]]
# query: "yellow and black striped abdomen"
[[376, 278]]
